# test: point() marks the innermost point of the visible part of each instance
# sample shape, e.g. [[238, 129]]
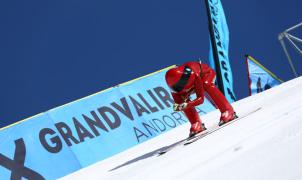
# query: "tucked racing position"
[[198, 78]]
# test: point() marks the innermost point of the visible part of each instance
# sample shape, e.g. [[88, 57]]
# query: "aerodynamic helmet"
[[180, 79]]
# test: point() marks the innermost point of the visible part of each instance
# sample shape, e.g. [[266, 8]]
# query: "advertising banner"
[[65, 139], [260, 78], [219, 48]]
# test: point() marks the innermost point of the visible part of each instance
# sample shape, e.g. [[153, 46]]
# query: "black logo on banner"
[[16, 165], [259, 86]]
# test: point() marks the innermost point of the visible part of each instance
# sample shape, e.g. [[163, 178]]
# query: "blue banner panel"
[[260, 78], [68, 138], [23, 155], [219, 48]]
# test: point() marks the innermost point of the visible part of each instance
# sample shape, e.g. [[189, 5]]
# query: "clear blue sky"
[[54, 52]]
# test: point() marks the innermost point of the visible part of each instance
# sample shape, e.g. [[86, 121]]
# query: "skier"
[[196, 77]]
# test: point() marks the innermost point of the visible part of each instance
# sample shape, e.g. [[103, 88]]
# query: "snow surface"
[[266, 145]]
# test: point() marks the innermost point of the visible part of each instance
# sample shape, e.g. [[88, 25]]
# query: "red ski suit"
[[203, 78]]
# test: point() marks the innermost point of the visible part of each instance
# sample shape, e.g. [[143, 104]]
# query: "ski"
[[216, 128], [203, 134]]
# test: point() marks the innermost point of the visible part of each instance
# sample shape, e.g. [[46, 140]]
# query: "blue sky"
[[54, 52]]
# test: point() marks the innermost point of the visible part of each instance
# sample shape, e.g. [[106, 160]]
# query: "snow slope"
[[264, 145]]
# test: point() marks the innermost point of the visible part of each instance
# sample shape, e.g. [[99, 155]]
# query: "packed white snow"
[[265, 145]]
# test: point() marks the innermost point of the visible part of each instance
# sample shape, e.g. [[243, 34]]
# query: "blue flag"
[[260, 78], [219, 48]]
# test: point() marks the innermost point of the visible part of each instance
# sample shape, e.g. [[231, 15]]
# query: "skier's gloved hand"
[[183, 106], [179, 107], [175, 107]]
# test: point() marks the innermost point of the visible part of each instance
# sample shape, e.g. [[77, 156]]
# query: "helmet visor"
[[183, 81]]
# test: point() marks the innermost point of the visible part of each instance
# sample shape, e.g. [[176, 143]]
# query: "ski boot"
[[227, 116], [197, 128]]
